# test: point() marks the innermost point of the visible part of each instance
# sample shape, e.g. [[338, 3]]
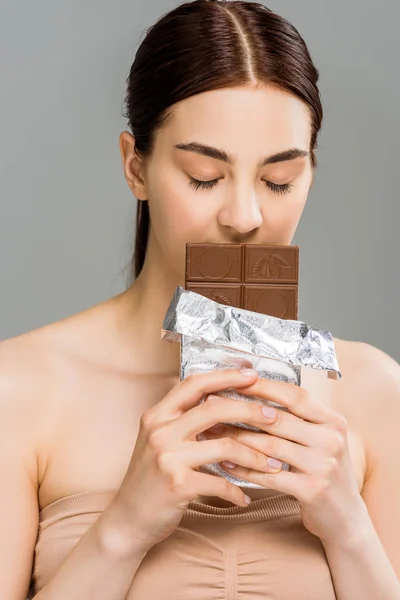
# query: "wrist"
[[116, 537], [355, 536]]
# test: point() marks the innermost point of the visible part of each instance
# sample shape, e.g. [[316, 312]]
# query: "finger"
[[280, 449], [211, 451], [293, 397], [214, 410], [281, 481], [286, 426], [188, 392], [204, 484]]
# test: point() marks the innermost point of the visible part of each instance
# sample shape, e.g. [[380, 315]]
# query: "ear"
[[132, 165]]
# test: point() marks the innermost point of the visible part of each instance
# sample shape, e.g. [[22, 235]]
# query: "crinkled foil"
[[214, 336]]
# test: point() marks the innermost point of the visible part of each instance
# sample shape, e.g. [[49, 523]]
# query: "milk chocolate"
[[260, 278]]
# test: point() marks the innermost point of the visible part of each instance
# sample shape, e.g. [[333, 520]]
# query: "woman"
[[102, 495]]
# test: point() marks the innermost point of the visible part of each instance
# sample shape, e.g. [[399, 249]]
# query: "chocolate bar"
[[260, 278]]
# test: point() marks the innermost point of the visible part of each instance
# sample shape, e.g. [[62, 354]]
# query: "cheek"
[[282, 215], [177, 216], [177, 209]]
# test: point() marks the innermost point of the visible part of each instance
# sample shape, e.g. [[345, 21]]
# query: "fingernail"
[[274, 463], [247, 499], [248, 372], [229, 464], [269, 412]]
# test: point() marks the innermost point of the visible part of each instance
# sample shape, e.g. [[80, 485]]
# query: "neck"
[[146, 303]]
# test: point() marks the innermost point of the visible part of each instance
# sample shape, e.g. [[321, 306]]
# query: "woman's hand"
[[312, 439], [162, 477]]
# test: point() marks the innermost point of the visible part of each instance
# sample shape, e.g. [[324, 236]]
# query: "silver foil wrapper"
[[214, 336]]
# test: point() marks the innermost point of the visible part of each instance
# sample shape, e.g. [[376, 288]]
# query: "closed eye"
[[283, 188]]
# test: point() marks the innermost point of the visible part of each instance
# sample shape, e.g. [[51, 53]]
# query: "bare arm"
[[104, 562], [368, 566], [361, 568], [18, 485], [100, 567]]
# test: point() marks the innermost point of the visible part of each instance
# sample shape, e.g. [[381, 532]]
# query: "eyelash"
[[207, 185]]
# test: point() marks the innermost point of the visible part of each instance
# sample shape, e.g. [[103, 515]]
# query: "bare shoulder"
[[366, 366], [360, 353], [23, 363], [34, 369], [25, 395], [44, 352], [369, 391], [28, 362]]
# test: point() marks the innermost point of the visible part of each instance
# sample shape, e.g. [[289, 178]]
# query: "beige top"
[[246, 553]]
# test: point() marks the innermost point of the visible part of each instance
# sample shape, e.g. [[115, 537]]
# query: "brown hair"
[[205, 45]]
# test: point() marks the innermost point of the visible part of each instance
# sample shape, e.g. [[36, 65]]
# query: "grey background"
[[67, 215]]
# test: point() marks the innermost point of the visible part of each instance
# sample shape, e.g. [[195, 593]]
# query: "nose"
[[241, 212]]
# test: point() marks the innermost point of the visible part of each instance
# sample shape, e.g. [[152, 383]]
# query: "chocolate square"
[[256, 277]]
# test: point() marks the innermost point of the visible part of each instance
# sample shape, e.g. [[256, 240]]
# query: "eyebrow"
[[211, 152]]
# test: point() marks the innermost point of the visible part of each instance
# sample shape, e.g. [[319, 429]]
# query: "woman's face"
[[228, 135]]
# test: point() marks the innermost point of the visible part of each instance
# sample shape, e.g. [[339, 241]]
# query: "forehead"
[[240, 119]]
